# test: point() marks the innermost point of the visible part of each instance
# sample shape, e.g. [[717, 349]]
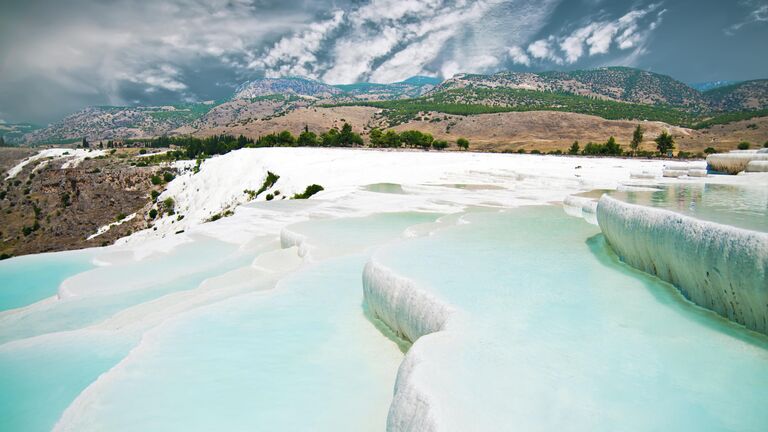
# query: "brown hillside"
[[540, 130]]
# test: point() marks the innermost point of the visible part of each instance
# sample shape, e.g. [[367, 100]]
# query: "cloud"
[[599, 36], [165, 77], [518, 56], [390, 40], [295, 55], [758, 14], [543, 49]]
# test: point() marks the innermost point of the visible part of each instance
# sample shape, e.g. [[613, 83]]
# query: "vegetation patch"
[[309, 191]]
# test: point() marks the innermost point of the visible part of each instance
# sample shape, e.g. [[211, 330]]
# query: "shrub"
[[156, 180], [120, 216], [168, 176], [154, 194], [765, 144], [744, 145], [534, 151], [309, 191], [462, 143], [710, 150], [143, 151], [168, 203], [65, 200], [521, 151], [574, 150], [269, 197], [683, 154], [152, 213], [270, 181]]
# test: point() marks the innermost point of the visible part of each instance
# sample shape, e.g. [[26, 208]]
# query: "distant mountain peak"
[[421, 80], [297, 85]]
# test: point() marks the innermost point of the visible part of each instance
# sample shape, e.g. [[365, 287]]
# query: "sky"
[[59, 56]]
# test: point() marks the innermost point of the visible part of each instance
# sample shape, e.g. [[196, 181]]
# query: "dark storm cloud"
[[59, 56]]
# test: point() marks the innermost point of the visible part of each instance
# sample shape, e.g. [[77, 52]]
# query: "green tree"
[[463, 143], [612, 147], [637, 138], [391, 139], [665, 143], [2, 141], [308, 139], [440, 144], [744, 145], [348, 138], [417, 139], [592, 149], [286, 138], [375, 137], [85, 143], [710, 150], [574, 150], [330, 138]]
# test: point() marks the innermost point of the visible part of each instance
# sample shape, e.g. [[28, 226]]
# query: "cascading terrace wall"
[[718, 267]]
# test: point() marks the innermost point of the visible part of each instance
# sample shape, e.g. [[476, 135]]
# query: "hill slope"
[[98, 123], [612, 93], [613, 83], [285, 86], [747, 95]]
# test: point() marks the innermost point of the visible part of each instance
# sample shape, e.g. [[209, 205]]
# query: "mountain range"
[[611, 93]]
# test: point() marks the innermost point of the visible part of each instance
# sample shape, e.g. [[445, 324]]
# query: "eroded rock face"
[[49, 208]]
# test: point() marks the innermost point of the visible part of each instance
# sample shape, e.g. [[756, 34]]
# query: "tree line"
[[665, 143], [194, 147]]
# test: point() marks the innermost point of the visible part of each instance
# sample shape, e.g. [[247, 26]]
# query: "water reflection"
[[741, 206]]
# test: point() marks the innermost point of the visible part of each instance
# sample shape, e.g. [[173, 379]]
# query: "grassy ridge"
[[472, 101], [489, 101], [731, 117]]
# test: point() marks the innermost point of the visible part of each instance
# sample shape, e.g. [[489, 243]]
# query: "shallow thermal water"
[[32, 278], [742, 206], [248, 336], [551, 332]]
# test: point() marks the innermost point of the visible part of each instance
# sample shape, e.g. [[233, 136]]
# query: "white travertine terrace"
[[716, 266]]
